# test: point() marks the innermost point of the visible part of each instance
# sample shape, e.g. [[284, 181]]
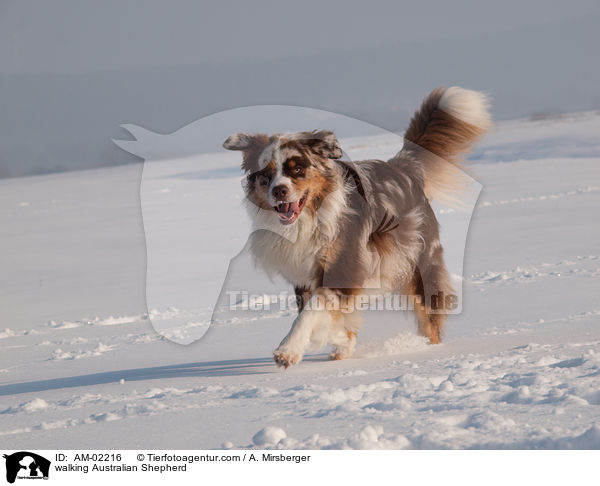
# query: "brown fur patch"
[[439, 141]]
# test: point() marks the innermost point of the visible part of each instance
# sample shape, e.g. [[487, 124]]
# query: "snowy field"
[[519, 367]]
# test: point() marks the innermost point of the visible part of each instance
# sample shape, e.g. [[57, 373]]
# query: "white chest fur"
[[296, 261]]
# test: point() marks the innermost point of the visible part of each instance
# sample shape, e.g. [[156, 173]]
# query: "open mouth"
[[288, 212]]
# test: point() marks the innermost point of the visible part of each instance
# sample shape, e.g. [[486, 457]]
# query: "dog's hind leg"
[[431, 286], [430, 325]]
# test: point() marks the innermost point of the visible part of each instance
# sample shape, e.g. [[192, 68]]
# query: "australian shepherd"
[[337, 229]]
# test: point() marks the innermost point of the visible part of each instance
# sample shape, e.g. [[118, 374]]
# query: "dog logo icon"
[[26, 465]]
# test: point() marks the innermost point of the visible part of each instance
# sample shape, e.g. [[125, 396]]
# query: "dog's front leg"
[[313, 318]]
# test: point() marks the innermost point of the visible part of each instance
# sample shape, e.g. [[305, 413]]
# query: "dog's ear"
[[239, 141], [323, 142], [250, 145]]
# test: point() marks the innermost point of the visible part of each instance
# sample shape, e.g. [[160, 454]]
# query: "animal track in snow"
[[543, 270]]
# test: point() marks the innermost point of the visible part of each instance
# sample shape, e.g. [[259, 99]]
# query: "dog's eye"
[[296, 170], [264, 180]]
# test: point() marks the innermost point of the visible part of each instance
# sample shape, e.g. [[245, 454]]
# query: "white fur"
[[271, 153], [309, 324], [288, 249], [313, 329], [282, 180], [469, 106]]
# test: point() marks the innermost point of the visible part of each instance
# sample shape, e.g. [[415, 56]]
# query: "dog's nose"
[[280, 193]]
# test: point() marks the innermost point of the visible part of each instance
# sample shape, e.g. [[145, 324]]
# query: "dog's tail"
[[440, 133]]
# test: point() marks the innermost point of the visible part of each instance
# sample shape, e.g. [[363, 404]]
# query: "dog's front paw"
[[337, 355], [285, 358]]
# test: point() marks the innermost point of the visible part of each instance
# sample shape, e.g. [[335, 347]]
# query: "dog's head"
[[287, 173]]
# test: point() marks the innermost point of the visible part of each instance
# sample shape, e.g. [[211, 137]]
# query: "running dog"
[[346, 228]]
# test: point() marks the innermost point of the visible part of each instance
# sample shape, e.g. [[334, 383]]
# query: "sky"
[[79, 36], [72, 72]]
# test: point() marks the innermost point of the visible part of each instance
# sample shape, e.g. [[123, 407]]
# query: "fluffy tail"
[[449, 121]]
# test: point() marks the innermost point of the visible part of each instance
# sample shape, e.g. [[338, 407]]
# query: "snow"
[[269, 436], [82, 366]]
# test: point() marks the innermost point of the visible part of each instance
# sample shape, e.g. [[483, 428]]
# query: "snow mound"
[[269, 436]]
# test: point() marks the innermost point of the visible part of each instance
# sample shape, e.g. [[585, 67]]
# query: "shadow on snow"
[[240, 367]]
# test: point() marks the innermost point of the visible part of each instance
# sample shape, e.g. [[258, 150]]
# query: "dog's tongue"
[[289, 207], [288, 212]]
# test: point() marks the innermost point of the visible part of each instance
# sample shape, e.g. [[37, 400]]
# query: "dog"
[[345, 228]]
